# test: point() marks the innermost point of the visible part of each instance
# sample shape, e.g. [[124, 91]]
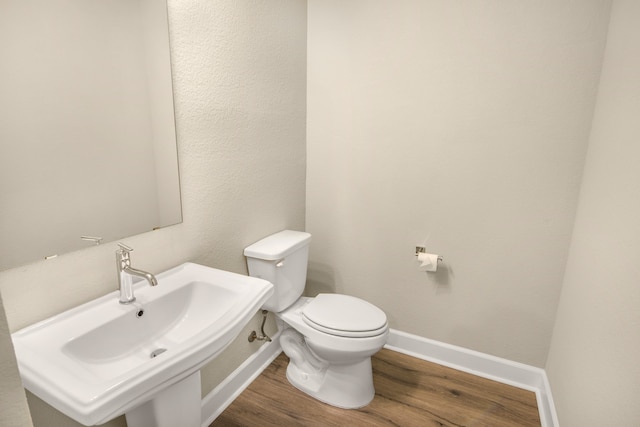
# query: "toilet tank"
[[282, 260]]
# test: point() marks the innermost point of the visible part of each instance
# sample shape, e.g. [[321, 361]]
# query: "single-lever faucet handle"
[[96, 240], [123, 257], [124, 247]]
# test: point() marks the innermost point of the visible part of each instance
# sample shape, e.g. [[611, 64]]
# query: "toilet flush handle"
[[280, 262]]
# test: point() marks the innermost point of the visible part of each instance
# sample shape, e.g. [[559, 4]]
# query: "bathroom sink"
[[101, 359]]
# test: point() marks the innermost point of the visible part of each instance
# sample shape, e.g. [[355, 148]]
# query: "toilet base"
[[347, 386]]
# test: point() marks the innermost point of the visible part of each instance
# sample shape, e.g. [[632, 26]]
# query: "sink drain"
[[157, 352]]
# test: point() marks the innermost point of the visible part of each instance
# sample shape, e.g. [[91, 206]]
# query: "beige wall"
[[593, 362], [462, 126], [240, 106], [13, 405]]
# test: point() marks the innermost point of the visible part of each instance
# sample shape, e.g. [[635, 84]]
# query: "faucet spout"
[[139, 273], [126, 273]]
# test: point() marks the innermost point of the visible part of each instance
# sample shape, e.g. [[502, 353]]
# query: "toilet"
[[330, 338]]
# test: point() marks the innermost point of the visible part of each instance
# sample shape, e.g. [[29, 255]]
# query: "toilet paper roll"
[[428, 262]]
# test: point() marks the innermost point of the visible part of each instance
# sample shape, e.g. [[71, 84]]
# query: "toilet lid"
[[344, 315]]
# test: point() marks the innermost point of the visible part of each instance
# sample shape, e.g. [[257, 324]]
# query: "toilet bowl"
[[329, 339], [332, 368]]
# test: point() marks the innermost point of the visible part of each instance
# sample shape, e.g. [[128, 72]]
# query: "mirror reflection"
[[87, 132]]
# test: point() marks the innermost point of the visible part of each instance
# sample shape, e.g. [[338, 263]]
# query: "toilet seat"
[[344, 316]]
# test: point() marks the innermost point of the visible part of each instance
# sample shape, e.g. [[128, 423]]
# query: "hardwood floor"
[[409, 392]]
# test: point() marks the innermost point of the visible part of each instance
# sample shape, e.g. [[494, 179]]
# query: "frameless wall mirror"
[[87, 130]]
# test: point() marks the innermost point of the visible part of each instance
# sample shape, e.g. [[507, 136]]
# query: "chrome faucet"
[[126, 273]]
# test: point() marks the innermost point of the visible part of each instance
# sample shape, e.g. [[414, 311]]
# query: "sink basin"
[[101, 359]]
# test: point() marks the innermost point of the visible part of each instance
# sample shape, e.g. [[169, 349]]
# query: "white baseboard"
[[473, 362], [482, 365], [226, 392]]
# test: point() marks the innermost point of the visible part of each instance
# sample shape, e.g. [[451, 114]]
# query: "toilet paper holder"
[[423, 250]]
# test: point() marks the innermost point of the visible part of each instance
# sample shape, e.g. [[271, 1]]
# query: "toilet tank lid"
[[278, 245]]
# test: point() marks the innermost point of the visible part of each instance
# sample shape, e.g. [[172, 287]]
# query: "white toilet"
[[330, 338]]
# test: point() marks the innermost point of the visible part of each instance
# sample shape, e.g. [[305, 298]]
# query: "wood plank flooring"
[[409, 392]]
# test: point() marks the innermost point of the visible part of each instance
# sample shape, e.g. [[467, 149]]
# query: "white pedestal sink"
[[177, 405], [104, 359]]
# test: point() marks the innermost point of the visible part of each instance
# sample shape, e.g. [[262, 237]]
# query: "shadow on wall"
[[320, 279], [440, 279]]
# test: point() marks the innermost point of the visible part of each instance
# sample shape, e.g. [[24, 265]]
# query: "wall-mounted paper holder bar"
[[423, 250]]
